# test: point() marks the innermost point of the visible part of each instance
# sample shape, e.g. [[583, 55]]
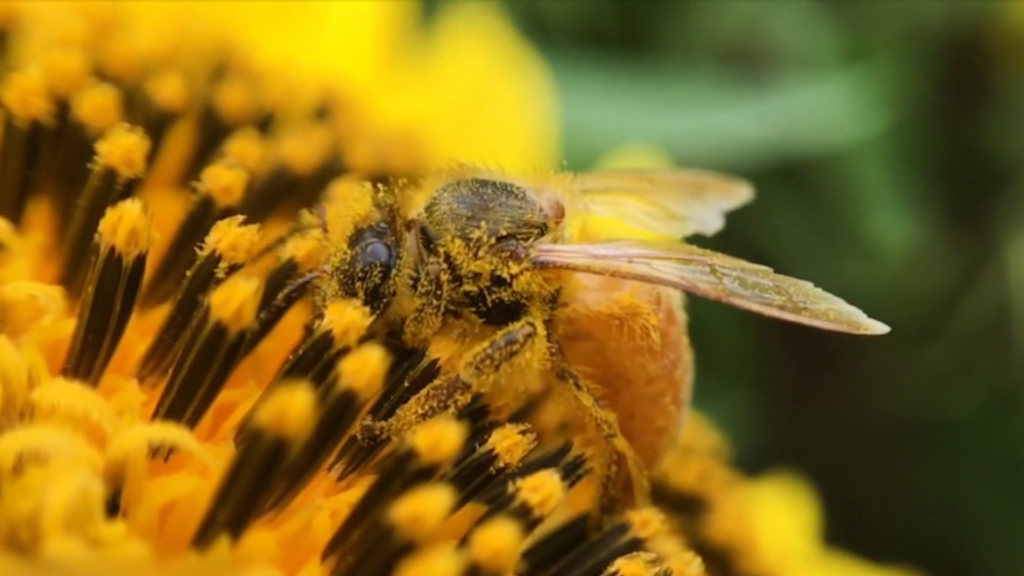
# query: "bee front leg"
[[430, 294], [450, 393]]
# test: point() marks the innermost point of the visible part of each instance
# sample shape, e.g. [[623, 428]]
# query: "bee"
[[564, 284]]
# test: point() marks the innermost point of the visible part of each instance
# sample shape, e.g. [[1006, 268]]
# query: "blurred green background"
[[886, 143]]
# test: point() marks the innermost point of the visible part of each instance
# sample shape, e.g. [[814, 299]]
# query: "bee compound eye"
[[375, 252]]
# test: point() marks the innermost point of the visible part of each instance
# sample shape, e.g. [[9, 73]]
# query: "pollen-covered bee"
[[570, 285]]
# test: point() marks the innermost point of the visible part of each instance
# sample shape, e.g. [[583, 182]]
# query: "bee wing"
[[674, 203], [714, 276]]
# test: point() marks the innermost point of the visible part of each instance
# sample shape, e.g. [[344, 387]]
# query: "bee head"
[[488, 215], [365, 266]]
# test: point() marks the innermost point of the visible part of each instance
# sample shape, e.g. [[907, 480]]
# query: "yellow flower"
[[171, 404], [768, 524]]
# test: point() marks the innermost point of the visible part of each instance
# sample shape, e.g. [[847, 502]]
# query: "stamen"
[[212, 350], [92, 110], [127, 457], [437, 560], [412, 372], [636, 564], [493, 547], [288, 282], [221, 187], [74, 406], [165, 96], [361, 375], [307, 164], [428, 449], [29, 105], [504, 450], [233, 103], [278, 429], [123, 240], [226, 249], [120, 158]]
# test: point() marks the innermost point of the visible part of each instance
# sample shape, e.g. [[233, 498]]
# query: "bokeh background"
[[887, 143]]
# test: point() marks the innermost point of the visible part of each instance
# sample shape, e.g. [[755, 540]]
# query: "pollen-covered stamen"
[[545, 552], [221, 188], [427, 450], [232, 103], [227, 247], [504, 450], [531, 499], [288, 282], [436, 560], [28, 105], [247, 148], [360, 375], [278, 430], [306, 163], [163, 99], [411, 520], [122, 243], [74, 406], [212, 350], [493, 547], [637, 564], [91, 111], [120, 159], [496, 486], [341, 327], [127, 458], [411, 373], [624, 537]]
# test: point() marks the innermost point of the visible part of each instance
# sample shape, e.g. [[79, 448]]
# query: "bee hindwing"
[[714, 276], [674, 203]]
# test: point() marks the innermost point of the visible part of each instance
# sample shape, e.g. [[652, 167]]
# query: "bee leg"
[[428, 315], [451, 393], [624, 465]]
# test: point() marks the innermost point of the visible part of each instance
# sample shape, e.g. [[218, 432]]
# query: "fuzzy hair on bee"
[[565, 287]]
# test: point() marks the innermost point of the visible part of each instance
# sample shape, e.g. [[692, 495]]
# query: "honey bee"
[[565, 282]]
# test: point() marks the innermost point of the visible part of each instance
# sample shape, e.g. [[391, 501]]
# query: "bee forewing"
[[714, 276], [675, 203]]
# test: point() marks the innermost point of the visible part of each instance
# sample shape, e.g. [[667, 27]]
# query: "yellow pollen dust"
[[26, 95], [494, 546], [225, 183], [168, 90], [541, 492], [124, 149], [418, 513], [511, 443], [438, 441], [126, 228], [98, 106], [233, 240], [246, 148], [235, 302], [289, 411], [363, 370], [66, 69]]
